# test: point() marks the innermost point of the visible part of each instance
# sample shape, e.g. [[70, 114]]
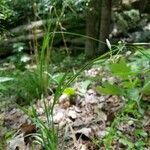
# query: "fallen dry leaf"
[[17, 143], [72, 114], [58, 117], [84, 134], [63, 98], [26, 128]]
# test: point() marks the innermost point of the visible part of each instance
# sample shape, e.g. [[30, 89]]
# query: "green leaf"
[[139, 144], [140, 132], [133, 94], [126, 142], [130, 106], [146, 88], [127, 84], [109, 89], [2, 87], [120, 69], [69, 91], [9, 135]]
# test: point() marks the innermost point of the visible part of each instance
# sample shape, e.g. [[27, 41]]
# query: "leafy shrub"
[[133, 83]]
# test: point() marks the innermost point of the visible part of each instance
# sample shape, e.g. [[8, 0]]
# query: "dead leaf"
[[84, 134], [27, 128], [63, 98], [90, 97], [17, 143], [101, 115], [58, 117], [72, 114]]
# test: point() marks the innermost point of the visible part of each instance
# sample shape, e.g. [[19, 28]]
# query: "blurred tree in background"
[[97, 19]]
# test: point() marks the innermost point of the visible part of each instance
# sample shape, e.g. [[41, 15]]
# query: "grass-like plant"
[[47, 135]]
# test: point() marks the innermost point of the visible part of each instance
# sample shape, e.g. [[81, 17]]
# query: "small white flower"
[[108, 44]]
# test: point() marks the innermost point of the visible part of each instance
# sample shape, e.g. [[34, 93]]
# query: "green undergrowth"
[[133, 76], [133, 83]]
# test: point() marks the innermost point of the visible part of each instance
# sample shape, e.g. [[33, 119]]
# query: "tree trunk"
[[104, 25], [91, 29]]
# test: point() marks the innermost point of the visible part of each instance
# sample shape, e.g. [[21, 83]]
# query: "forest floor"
[[88, 115]]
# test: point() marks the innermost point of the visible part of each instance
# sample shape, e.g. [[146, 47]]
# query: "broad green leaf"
[[120, 69], [109, 89], [146, 88], [69, 91]]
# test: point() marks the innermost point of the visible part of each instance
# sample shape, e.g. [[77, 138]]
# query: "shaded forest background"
[[24, 23]]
